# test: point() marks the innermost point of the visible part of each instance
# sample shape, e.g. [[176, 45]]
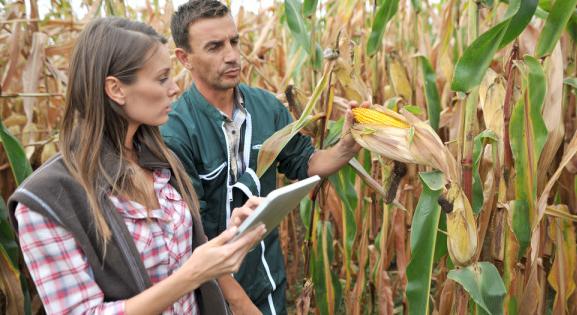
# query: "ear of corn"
[[390, 142], [461, 227], [403, 138], [384, 117], [408, 139]]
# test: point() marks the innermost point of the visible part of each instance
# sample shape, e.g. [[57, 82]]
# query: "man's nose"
[[232, 55]]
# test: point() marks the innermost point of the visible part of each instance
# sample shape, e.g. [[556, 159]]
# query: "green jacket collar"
[[195, 97]]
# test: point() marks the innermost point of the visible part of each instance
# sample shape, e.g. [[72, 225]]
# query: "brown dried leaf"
[[561, 277], [552, 113], [491, 98], [14, 44], [399, 79], [15, 119], [33, 71], [10, 286]]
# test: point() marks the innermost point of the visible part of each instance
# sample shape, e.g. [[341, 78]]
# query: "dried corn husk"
[[403, 138], [461, 226]]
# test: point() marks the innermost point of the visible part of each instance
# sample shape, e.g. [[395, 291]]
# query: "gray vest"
[[52, 192]]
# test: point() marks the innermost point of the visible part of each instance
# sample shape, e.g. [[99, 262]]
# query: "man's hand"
[[347, 141], [328, 161]]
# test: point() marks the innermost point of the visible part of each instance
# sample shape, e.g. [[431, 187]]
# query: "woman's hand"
[[219, 256], [240, 214]]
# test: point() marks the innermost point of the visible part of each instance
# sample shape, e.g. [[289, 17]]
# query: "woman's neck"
[[128, 145]]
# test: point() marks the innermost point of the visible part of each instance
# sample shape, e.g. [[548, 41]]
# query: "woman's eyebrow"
[[163, 70]]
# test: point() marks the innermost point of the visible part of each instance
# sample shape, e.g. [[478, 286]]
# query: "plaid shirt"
[[62, 275], [232, 128]]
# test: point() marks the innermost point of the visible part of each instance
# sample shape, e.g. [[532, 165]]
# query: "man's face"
[[215, 54]]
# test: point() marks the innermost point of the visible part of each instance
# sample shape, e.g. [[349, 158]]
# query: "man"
[[217, 127]]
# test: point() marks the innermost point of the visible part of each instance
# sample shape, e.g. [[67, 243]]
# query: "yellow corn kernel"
[[370, 116]]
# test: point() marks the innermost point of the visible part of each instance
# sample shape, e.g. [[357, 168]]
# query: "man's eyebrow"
[[214, 43]]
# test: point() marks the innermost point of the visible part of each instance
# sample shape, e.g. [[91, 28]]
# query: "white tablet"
[[277, 205]]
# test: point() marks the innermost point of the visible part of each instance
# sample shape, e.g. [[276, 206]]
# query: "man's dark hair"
[[191, 12]]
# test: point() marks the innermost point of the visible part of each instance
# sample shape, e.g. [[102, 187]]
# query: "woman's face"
[[148, 99]]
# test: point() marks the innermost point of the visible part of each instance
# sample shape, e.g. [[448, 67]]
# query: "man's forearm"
[[237, 299], [231, 289], [328, 161]]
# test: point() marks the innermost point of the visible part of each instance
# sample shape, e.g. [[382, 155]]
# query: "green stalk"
[[313, 52]]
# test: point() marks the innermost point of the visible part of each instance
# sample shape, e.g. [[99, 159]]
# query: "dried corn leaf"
[[562, 233], [552, 113], [33, 71], [399, 80]]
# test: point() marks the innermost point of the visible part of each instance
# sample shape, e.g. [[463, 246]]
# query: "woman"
[[110, 225]]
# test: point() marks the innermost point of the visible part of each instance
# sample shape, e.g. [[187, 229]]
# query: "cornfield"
[[463, 199]]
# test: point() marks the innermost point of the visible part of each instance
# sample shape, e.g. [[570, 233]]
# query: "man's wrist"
[[347, 150]]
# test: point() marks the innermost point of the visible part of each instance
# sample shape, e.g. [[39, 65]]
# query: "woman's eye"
[[163, 80]]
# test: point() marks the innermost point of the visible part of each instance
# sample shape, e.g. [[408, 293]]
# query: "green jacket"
[[196, 134]]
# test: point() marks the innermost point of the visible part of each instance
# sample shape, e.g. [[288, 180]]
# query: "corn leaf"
[[7, 237], [115, 8], [384, 14], [569, 152], [416, 5], [321, 86], [519, 21], [571, 82], [431, 92], [309, 7], [485, 137], [561, 277], [297, 24], [10, 286], [528, 135], [327, 287], [572, 27], [366, 177], [272, 147], [423, 243], [484, 284], [334, 132], [473, 64], [554, 26], [344, 184], [18, 162]]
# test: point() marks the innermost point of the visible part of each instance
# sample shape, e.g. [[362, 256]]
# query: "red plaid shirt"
[[62, 275]]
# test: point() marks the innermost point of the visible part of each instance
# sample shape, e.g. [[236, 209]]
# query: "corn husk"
[[402, 137], [461, 228]]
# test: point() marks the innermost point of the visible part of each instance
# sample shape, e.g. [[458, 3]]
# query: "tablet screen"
[[277, 205]]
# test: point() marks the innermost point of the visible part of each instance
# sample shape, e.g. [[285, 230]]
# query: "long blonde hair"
[[93, 122]]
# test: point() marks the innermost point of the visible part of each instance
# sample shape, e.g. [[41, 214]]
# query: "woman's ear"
[[114, 90]]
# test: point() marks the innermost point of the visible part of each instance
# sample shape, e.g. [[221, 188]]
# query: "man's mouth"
[[233, 71]]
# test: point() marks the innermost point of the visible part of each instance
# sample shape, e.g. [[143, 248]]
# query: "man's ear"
[[182, 56], [114, 90]]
